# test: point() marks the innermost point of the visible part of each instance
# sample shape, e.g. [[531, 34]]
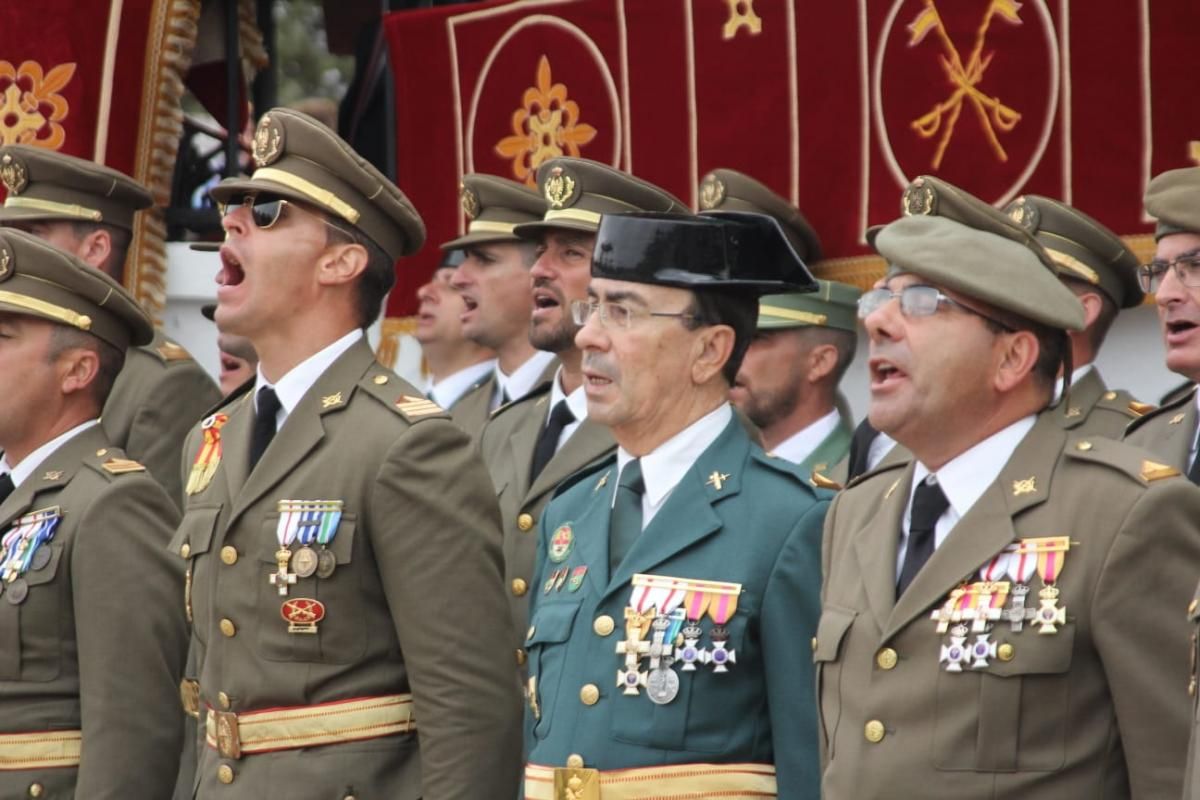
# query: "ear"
[[78, 368], [341, 264], [1018, 354], [821, 361], [1092, 305], [713, 347], [95, 248]]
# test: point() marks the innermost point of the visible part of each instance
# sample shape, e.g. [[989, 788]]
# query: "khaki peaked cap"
[[1173, 198], [494, 208], [729, 190], [1082, 248], [832, 305], [298, 158], [47, 186], [963, 244], [39, 280], [578, 191]]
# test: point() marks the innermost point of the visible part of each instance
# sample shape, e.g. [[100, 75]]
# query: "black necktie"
[[626, 524], [264, 423], [547, 441], [929, 503], [1194, 472], [6, 486], [860, 448]]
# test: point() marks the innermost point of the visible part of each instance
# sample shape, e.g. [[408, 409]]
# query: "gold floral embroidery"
[[31, 109], [545, 127], [741, 15]]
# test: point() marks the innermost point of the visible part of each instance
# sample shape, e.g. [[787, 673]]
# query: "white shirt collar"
[[576, 400], [21, 472], [663, 468], [881, 445], [451, 388], [801, 444], [1076, 377], [523, 378], [300, 378]]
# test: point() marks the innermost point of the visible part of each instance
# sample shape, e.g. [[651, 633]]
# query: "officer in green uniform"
[[1001, 617], [91, 637], [533, 444], [1101, 270], [88, 210], [340, 534], [676, 591], [1173, 198]]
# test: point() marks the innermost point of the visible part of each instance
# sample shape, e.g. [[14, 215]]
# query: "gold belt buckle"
[[229, 742], [189, 696], [576, 783]]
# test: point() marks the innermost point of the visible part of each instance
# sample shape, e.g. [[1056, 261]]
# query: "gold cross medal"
[[209, 456], [634, 648], [307, 523], [1051, 558]]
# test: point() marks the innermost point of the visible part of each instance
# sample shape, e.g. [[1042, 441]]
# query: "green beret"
[[1173, 198], [963, 244], [578, 191], [298, 158], [730, 190], [833, 305], [39, 280], [1082, 248], [494, 207], [47, 186]]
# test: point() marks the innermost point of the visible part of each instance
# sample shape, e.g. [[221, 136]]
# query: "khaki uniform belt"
[[40, 749], [679, 782], [234, 735]]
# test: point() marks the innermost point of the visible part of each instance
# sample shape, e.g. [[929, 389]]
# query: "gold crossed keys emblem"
[[965, 79]]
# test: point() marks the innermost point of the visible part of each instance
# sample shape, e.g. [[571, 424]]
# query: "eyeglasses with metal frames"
[[616, 315], [916, 300], [1186, 267]]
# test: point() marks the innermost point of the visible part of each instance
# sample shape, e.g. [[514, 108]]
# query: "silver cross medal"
[[955, 654], [633, 647], [981, 651], [691, 651], [1018, 612], [1049, 614], [281, 578]]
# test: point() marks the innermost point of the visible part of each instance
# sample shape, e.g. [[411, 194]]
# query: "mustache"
[[599, 365]]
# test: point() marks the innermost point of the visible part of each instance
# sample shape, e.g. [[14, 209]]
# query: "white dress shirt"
[[801, 444], [21, 472], [663, 468], [964, 479], [300, 378], [1076, 376], [881, 445], [522, 379], [576, 401], [451, 388]]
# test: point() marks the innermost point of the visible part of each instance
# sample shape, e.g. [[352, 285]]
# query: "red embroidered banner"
[[835, 105]]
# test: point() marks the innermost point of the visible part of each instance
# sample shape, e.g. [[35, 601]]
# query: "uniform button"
[[223, 699], [589, 694], [227, 627], [185, 550], [519, 587], [604, 625], [1006, 652], [1110, 395], [1083, 446], [874, 731], [1192, 606], [102, 452], [521, 657], [225, 773], [229, 554], [886, 658], [380, 380], [575, 761], [525, 522], [529, 633], [36, 790]]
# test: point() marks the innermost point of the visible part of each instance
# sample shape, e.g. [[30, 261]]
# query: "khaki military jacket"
[[1169, 431], [471, 411], [1092, 409], [159, 395], [1097, 709], [507, 445], [97, 644], [415, 604]]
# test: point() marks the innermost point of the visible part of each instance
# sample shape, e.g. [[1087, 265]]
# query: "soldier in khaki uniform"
[[533, 444], [92, 639], [340, 534], [88, 210], [456, 365], [1101, 270], [1173, 198], [1002, 617]]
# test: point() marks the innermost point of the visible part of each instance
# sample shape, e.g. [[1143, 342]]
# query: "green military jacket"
[[97, 643], [414, 605], [1092, 409], [738, 517], [1169, 431], [1095, 706], [159, 395], [507, 446], [832, 450]]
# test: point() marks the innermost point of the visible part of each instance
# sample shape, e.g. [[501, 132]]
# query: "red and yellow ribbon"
[[205, 465]]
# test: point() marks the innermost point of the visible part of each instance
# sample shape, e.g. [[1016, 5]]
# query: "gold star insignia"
[[1027, 486], [717, 480]]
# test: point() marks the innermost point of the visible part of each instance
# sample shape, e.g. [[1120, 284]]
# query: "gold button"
[[519, 587], [185, 550], [814, 644], [36, 790], [525, 522], [1110, 395], [521, 657], [380, 380], [874, 731], [886, 658], [529, 633], [575, 761], [223, 699], [350, 796], [102, 452], [1006, 652], [589, 694], [604, 625], [225, 773], [229, 554], [1192, 606], [1083, 446], [1192, 688], [227, 627]]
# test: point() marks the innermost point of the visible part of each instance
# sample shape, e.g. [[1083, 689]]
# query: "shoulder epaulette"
[[398, 395], [120, 466], [1120, 457], [169, 351], [1173, 406], [1140, 409]]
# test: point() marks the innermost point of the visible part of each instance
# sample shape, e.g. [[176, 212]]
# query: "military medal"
[[662, 685], [983, 649], [560, 578], [985, 603], [720, 609], [41, 557], [209, 455], [281, 579], [25, 546], [951, 610], [17, 591], [305, 562], [326, 563], [633, 647], [956, 653], [307, 522], [302, 614], [576, 579], [562, 541], [1017, 613], [1052, 557]]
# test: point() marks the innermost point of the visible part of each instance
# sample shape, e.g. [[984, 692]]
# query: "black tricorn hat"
[[731, 251]]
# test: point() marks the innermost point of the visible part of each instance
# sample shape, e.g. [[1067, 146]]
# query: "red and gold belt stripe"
[[678, 782], [40, 749]]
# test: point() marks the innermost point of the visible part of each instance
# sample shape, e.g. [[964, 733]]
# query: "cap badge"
[[6, 259], [712, 192], [13, 174], [470, 201], [918, 199], [268, 142], [1024, 214], [560, 188]]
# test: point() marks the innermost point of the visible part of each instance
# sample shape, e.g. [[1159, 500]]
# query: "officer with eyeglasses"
[[1001, 616], [675, 594]]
